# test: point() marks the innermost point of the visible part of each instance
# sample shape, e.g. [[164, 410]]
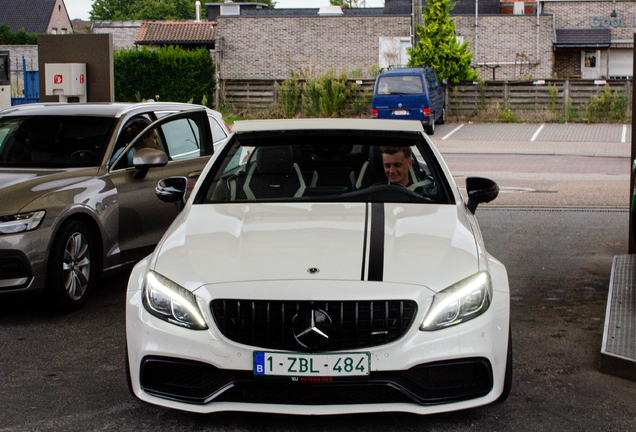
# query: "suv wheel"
[[72, 269]]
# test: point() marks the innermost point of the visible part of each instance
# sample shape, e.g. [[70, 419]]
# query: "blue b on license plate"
[[316, 365]]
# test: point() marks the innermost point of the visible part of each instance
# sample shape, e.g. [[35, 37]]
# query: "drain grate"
[[618, 352]]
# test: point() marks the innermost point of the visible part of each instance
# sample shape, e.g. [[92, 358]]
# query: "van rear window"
[[400, 84]]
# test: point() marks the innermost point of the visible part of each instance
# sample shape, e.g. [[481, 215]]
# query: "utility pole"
[[416, 19]]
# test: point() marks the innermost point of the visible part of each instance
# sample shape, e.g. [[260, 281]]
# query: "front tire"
[[72, 267]]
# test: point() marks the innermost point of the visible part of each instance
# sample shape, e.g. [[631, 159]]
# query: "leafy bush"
[[374, 71], [553, 95], [607, 106], [288, 93], [311, 97], [333, 93], [171, 73], [619, 106], [21, 37]]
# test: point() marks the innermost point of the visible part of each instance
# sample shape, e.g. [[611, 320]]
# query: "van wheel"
[[430, 128], [442, 119]]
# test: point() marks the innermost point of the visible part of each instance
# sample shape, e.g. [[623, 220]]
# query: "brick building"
[[605, 44], [269, 43], [508, 39], [35, 16]]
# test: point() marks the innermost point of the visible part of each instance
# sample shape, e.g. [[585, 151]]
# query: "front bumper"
[[21, 269], [427, 384], [423, 372]]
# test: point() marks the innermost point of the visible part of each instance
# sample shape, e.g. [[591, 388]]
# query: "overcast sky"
[[80, 8]]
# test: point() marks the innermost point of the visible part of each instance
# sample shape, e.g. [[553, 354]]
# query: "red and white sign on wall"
[[57, 79], [82, 79]]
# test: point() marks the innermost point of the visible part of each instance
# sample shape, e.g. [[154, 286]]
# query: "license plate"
[[400, 112], [316, 365]]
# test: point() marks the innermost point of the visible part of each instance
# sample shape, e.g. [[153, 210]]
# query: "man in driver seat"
[[397, 162]]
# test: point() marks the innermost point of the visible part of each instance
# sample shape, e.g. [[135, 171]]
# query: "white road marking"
[[537, 132], [453, 131], [624, 133]]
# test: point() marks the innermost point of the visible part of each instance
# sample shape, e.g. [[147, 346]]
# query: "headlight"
[[461, 302], [171, 302], [21, 222]]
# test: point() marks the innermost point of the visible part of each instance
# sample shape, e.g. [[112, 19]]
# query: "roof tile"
[[161, 32]]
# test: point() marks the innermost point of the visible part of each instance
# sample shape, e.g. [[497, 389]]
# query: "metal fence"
[[25, 82], [463, 98]]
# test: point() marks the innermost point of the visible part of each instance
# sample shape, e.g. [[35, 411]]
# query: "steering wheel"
[[387, 192], [94, 156]]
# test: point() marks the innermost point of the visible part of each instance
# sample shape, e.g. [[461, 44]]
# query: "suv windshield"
[[328, 168], [54, 141]]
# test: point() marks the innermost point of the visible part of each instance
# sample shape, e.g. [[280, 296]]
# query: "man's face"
[[396, 167]]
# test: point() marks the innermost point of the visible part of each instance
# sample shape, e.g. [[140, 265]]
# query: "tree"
[[269, 3], [438, 45], [21, 37], [121, 10], [344, 3]]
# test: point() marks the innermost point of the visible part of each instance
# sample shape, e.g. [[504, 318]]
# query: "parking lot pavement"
[[66, 372], [554, 139]]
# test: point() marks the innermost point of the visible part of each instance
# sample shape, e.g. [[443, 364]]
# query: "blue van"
[[409, 94]]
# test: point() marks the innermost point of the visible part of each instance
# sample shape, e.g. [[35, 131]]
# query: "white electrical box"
[[65, 80], [5, 97]]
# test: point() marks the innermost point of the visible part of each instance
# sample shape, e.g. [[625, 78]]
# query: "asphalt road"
[[66, 372]]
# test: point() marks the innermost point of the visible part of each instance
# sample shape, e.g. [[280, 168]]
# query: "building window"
[[54, 31], [590, 59], [63, 31]]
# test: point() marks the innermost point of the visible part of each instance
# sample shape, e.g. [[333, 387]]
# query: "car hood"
[[421, 244], [20, 186]]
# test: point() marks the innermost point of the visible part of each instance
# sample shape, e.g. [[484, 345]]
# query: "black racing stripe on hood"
[[376, 243], [364, 243]]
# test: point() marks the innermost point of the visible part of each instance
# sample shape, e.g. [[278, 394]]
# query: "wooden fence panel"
[[463, 99]]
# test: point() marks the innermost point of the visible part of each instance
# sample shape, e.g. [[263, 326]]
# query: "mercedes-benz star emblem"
[[312, 328]]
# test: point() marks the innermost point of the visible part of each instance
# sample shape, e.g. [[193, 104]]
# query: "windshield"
[[400, 84], [330, 168], [54, 141]]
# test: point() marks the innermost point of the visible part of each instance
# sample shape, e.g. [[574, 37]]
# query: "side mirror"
[[480, 190], [173, 190], [147, 158]]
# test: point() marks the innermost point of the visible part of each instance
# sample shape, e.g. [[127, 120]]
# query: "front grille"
[[425, 384], [355, 324]]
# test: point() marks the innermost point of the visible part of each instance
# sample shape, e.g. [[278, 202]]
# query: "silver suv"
[[77, 188]]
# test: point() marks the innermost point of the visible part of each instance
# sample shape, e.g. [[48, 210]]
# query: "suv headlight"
[[171, 302], [461, 302], [21, 222]]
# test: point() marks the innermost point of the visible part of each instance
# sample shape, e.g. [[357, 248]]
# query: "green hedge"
[[172, 74], [21, 37]]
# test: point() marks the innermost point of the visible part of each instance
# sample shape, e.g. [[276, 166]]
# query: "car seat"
[[274, 175]]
